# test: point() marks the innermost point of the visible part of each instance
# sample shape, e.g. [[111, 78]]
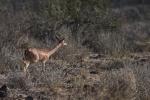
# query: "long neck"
[[55, 49]]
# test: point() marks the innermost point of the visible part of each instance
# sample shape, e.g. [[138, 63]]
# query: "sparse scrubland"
[[107, 56]]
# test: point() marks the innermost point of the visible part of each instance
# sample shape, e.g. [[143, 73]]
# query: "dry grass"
[[97, 64], [123, 80]]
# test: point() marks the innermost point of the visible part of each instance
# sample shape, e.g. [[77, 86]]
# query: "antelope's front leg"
[[44, 63]]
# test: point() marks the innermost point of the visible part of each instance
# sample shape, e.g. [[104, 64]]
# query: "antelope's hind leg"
[[27, 63]]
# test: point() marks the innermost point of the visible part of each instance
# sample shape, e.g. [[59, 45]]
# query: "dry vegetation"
[[107, 57]]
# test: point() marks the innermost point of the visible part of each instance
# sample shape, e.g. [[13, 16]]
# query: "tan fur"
[[34, 55]]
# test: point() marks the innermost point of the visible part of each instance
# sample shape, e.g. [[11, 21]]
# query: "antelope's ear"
[[57, 38], [61, 40]]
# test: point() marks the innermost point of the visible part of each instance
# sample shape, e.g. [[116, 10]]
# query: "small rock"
[[29, 98]]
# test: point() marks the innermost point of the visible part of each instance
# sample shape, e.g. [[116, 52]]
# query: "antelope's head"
[[61, 41]]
